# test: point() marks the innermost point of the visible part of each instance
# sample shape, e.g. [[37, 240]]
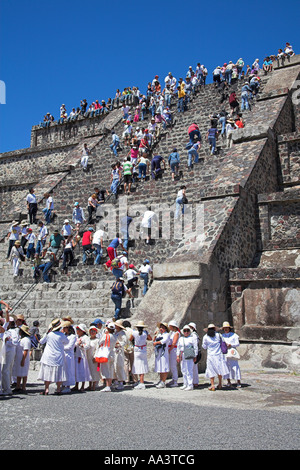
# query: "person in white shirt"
[[52, 363], [41, 239], [187, 351], [12, 236], [85, 157], [49, 208], [215, 363], [16, 256], [31, 237], [173, 344], [66, 230], [31, 206], [146, 224], [22, 359], [144, 272], [161, 342], [98, 245], [10, 342], [131, 276]]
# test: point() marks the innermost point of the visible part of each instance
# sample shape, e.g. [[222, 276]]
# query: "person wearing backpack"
[[118, 291]]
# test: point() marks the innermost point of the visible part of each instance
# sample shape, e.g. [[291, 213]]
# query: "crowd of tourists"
[[108, 356], [45, 250]]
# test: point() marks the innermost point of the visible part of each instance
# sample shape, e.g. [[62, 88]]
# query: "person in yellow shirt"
[[181, 97]]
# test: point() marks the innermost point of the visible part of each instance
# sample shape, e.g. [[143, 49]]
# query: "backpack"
[[118, 288], [116, 263]]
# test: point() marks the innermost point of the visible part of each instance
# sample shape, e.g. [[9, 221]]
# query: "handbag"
[[102, 353], [188, 351], [224, 347], [232, 354]]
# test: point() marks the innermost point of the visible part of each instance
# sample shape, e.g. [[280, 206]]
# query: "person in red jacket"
[[87, 239], [193, 131]]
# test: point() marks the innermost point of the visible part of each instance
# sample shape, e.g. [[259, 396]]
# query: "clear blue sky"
[[56, 52]]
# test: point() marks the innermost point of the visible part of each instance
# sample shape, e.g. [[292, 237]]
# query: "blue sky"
[[62, 51]]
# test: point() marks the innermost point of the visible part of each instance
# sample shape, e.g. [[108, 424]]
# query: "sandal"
[[211, 389], [44, 393]]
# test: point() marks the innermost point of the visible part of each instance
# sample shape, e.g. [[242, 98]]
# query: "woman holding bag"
[[106, 353], [232, 356], [187, 351], [216, 363]]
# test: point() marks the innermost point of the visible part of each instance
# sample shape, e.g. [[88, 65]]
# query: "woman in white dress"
[[82, 370], [10, 342], [107, 368], [140, 336], [90, 354], [69, 349], [22, 359], [215, 363], [161, 342], [232, 341], [119, 361], [194, 333], [52, 364], [174, 337], [187, 351]]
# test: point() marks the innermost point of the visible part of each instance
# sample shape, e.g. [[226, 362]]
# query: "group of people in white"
[[112, 354]]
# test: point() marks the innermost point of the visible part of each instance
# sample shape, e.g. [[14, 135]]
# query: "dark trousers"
[[32, 213], [68, 256]]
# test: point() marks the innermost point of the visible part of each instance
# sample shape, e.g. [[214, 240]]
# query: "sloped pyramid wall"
[[221, 229]]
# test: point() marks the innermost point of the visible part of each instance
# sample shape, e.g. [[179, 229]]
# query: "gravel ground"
[[262, 415]]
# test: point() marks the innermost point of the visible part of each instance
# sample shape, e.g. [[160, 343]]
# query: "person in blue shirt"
[[115, 143], [174, 161]]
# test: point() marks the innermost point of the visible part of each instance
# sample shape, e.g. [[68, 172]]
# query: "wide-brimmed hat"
[[14, 222], [141, 324], [226, 324], [68, 318], [164, 324], [25, 328], [119, 323], [56, 324], [20, 316], [110, 326], [173, 323], [210, 327], [193, 325], [65, 324], [17, 242]]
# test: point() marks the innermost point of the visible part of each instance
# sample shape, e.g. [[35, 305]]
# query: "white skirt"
[[107, 368], [234, 369], [216, 365], [140, 361], [82, 370], [162, 362], [52, 373], [119, 365]]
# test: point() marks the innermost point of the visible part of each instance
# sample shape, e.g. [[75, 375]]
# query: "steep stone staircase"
[[85, 289]]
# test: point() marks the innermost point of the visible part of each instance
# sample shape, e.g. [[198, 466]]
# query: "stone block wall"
[[74, 131]]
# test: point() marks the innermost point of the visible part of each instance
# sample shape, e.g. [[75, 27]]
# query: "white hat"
[[66, 221], [186, 327], [82, 327], [193, 325], [111, 326], [173, 323]]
